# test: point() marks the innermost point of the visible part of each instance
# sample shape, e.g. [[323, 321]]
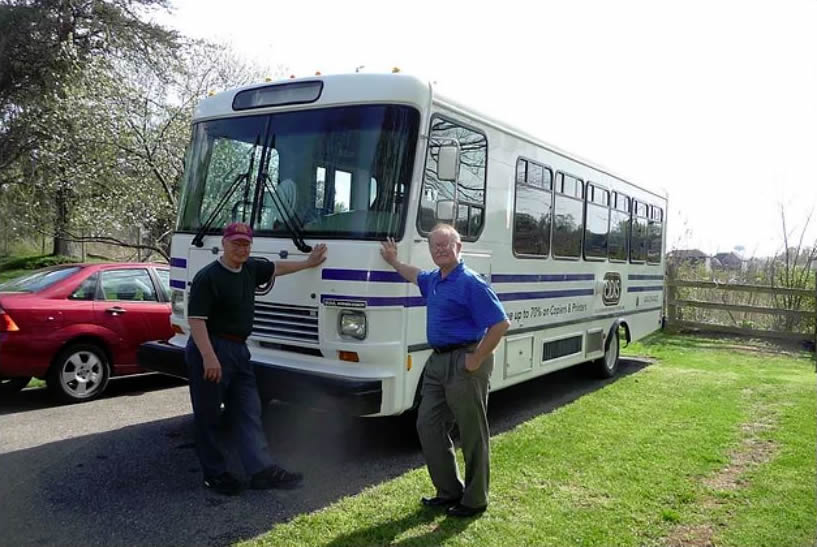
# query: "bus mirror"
[[448, 162], [445, 210]]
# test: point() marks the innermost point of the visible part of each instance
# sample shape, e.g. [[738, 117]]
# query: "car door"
[[159, 317], [128, 303]]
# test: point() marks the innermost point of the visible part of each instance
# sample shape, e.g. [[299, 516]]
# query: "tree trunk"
[[61, 223]]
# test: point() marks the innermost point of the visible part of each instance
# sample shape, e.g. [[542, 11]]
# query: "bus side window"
[[567, 216], [638, 232], [468, 191], [597, 220], [532, 209], [655, 236], [619, 228]]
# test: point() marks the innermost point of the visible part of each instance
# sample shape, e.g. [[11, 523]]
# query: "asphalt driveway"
[[122, 470]]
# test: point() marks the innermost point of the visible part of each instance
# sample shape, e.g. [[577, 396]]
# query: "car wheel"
[[9, 386], [607, 366], [80, 373]]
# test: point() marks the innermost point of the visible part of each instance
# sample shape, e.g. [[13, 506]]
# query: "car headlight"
[[177, 302], [352, 323]]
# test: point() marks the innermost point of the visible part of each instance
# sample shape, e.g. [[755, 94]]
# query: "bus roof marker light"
[[278, 95]]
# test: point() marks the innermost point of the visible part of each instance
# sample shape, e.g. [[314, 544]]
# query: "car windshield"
[[339, 173], [39, 280]]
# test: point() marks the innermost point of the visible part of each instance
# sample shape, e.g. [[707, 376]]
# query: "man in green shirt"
[[220, 311]]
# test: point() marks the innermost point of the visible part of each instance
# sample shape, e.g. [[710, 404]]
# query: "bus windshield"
[[339, 172]]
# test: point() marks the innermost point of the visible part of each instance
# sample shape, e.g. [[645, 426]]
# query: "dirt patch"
[[691, 536], [752, 451]]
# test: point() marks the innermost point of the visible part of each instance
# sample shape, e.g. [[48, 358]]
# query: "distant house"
[[690, 256], [730, 261]]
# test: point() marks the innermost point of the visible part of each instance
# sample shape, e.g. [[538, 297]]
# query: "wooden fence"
[[741, 317]]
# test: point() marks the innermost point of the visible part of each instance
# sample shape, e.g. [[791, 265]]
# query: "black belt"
[[232, 338], [453, 347]]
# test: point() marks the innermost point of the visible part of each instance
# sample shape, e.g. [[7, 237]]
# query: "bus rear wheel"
[[607, 366]]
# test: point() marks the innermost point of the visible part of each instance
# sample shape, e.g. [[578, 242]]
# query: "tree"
[[45, 44], [46, 49]]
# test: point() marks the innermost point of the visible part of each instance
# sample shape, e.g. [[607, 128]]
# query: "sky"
[[712, 102]]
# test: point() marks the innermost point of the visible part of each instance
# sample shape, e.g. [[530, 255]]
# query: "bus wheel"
[[607, 366]]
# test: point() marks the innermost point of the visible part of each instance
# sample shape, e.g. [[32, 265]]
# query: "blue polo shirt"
[[460, 308]]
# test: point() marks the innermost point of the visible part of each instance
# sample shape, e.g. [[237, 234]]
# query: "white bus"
[[574, 253]]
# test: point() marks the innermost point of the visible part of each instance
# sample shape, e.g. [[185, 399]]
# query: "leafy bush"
[[36, 262]]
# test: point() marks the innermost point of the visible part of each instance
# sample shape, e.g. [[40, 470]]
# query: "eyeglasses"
[[442, 246]]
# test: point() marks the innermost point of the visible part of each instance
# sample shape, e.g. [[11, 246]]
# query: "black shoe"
[[275, 477], [439, 502], [224, 484], [460, 510]]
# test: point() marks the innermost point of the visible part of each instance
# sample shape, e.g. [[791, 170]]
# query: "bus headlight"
[[177, 302], [352, 323]]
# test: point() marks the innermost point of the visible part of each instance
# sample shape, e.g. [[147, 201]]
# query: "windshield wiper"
[[290, 219], [198, 240]]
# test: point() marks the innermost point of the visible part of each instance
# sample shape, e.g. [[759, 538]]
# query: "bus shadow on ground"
[[141, 484]]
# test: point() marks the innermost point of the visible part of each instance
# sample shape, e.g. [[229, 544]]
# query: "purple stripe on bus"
[[375, 276], [644, 289], [177, 284], [536, 278], [178, 262]]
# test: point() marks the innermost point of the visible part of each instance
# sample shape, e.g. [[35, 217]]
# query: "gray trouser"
[[450, 393]]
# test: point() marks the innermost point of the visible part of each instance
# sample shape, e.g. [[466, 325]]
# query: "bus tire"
[[607, 366]]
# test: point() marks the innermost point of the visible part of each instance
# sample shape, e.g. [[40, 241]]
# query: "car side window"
[[86, 289], [164, 281], [133, 285]]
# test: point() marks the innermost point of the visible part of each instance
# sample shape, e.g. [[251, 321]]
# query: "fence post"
[[139, 243], [672, 312]]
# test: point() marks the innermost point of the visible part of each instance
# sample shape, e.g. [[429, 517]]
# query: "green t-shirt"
[[226, 299]]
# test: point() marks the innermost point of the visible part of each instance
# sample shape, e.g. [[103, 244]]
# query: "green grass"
[[631, 464], [35, 382]]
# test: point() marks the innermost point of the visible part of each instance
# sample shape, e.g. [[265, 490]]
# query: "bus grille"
[[286, 322]]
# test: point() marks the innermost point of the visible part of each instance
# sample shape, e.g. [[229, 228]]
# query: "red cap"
[[236, 231]]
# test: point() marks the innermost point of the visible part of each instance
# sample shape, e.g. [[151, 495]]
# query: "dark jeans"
[[239, 391]]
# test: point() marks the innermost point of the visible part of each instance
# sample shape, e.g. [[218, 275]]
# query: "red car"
[[77, 325]]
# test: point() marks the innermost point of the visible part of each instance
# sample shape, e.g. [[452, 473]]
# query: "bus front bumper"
[[357, 397]]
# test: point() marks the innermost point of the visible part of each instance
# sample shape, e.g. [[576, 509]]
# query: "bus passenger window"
[[617, 242], [567, 216], [638, 232], [655, 236], [597, 220], [532, 209]]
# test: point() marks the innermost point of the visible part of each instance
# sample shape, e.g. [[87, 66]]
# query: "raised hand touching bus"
[[388, 250], [317, 256]]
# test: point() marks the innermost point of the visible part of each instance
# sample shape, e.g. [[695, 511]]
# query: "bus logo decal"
[[611, 293]]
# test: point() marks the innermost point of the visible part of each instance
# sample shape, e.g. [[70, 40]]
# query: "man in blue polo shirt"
[[464, 324]]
